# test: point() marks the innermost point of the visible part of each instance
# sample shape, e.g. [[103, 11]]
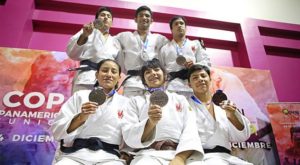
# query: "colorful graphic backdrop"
[[35, 83], [33, 86]]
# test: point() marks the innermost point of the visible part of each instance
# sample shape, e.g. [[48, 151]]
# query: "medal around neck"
[[98, 24], [97, 95], [145, 56], [180, 60], [218, 97], [159, 98]]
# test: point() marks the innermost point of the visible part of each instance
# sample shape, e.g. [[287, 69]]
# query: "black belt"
[[92, 143], [133, 72], [130, 73], [218, 149], [89, 66], [182, 74], [89, 63]]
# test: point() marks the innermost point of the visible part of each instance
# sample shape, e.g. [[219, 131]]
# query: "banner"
[[35, 83], [250, 90], [285, 119], [33, 86]]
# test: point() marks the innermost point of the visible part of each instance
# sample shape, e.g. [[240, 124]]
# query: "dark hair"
[[103, 9], [142, 8], [197, 67], [99, 66], [176, 18], [152, 64]]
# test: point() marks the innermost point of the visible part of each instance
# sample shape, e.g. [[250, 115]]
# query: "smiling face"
[[200, 81], [154, 77], [106, 18], [108, 75], [143, 20], [178, 27]]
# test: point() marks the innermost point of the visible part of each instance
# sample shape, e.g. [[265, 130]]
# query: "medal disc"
[[145, 56], [97, 95], [98, 23], [180, 60], [159, 98], [218, 97]]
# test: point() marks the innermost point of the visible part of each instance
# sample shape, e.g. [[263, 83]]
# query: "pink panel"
[[62, 17], [280, 42], [211, 33], [254, 45], [49, 41], [16, 26], [275, 47], [285, 75], [220, 57]]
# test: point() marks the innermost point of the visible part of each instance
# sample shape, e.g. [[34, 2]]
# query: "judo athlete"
[[90, 133], [137, 47], [165, 134], [217, 125], [90, 45], [190, 50]]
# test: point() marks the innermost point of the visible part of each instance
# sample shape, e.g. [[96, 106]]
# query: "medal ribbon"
[[155, 89], [145, 44], [196, 100], [179, 49], [111, 93]]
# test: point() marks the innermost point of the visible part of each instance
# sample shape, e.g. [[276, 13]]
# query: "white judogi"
[[96, 49], [219, 132], [133, 56], [192, 51], [177, 124], [105, 124]]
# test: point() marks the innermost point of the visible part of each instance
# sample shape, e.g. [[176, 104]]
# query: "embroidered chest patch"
[[120, 114], [178, 107]]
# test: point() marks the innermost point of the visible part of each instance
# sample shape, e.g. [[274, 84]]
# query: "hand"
[[229, 107], [188, 64], [154, 113], [87, 109], [87, 29], [177, 161]]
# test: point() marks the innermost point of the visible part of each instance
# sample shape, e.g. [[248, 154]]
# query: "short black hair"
[[99, 66], [103, 9], [197, 67], [176, 18], [152, 64], [142, 8]]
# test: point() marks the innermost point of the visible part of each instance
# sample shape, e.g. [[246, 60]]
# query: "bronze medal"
[[98, 24], [218, 97], [180, 60], [97, 95], [159, 98]]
